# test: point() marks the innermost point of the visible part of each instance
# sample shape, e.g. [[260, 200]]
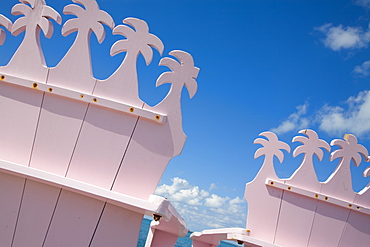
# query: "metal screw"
[[157, 217]]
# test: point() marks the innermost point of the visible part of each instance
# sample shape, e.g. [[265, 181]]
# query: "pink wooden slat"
[[357, 229], [151, 148], [20, 111], [11, 188], [297, 212], [74, 220], [263, 205], [58, 129], [35, 214], [101, 146], [264, 201], [117, 227], [163, 239]]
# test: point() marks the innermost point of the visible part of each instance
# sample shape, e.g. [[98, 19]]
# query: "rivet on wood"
[[350, 205], [326, 198], [358, 208], [289, 188], [271, 183], [34, 85], [316, 196], [50, 89], [132, 109], [157, 217], [95, 100], [81, 96], [2, 77], [157, 117]]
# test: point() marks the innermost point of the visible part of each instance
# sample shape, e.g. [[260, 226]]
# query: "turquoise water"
[[181, 242]]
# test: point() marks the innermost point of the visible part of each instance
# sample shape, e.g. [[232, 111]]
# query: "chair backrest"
[[63, 121], [301, 211]]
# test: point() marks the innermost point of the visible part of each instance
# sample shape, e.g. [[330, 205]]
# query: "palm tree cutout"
[[183, 73], [36, 17], [123, 84], [5, 22], [78, 58], [311, 146], [271, 147], [349, 150]]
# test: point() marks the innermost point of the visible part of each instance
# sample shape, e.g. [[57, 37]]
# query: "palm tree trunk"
[[122, 86], [28, 61], [74, 71], [340, 182]]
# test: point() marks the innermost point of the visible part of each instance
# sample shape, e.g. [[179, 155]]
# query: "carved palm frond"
[[183, 72], [271, 146], [139, 39], [349, 148], [92, 15], [5, 22], [38, 11], [311, 144], [366, 172]]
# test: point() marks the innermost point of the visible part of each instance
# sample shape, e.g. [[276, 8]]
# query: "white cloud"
[[215, 201], [202, 210], [295, 121], [213, 186], [355, 118], [339, 37], [363, 69], [181, 191]]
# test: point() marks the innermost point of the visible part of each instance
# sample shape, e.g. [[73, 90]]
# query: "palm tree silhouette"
[[5, 22], [123, 84], [311, 146], [78, 58], [36, 17], [367, 172], [349, 150], [271, 147], [183, 73]]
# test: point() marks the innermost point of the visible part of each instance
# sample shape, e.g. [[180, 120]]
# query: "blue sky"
[[279, 65]]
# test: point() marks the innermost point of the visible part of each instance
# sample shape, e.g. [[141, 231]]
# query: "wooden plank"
[[264, 201], [74, 220], [20, 110], [297, 211], [11, 189], [58, 129], [102, 143], [116, 227], [35, 214], [357, 229]]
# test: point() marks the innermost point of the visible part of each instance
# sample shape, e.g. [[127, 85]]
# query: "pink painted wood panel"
[[11, 188], [76, 216], [58, 129], [101, 146], [330, 220], [264, 201], [297, 212], [20, 108], [117, 227], [357, 229], [35, 214], [163, 239]]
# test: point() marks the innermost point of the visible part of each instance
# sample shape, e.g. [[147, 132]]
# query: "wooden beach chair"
[[80, 158], [300, 211]]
